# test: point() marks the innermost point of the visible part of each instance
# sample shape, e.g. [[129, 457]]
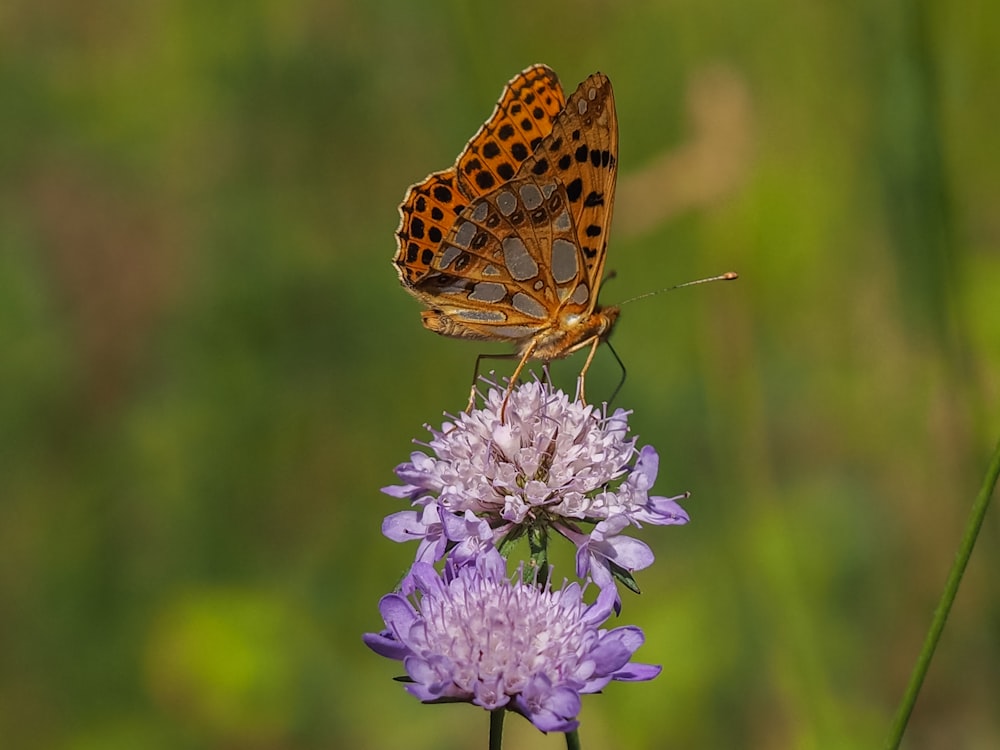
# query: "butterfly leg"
[[475, 376], [621, 364], [586, 366], [513, 379]]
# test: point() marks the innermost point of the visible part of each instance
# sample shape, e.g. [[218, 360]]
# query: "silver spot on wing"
[[488, 291], [531, 196], [481, 212], [448, 257], [517, 259], [514, 332], [506, 202], [481, 316], [564, 260], [562, 222], [466, 231], [529, 306]]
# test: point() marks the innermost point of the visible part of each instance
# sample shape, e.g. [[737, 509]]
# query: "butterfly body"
[[510, 243]]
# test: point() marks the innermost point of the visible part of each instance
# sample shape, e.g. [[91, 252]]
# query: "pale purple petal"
[[646, 466], [626, 552], [551, 709], [551, 458], [668, 509], [404, 526], [474, 634], [637, 672], [384, 644]]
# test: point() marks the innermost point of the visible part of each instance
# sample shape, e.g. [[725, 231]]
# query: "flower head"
[[475, 635], [550, 462]]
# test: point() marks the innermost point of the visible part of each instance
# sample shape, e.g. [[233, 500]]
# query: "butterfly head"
[[572, 333]]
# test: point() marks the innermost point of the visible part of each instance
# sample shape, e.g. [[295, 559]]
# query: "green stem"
[[538, 544], [947, 598], [496, 728], [572, 740]]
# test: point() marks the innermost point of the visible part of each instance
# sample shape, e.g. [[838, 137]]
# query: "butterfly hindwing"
[[510, 263]]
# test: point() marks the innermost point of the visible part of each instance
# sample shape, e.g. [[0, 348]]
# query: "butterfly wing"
[[508, 265], [581, 152], [528, 106], [532, 251], [521, 119]]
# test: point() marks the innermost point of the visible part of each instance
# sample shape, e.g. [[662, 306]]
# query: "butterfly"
[[509, 244]]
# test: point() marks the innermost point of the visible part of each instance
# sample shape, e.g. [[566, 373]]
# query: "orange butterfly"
[[509, 244]]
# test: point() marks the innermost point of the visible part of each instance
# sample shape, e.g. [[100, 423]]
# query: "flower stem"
[[538, 544], [496, 728], [573, 740], [947, 598]]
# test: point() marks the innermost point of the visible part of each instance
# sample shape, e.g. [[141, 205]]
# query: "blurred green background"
[[208, 368]]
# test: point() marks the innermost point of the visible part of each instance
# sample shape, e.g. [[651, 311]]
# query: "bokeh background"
[[208, 369]]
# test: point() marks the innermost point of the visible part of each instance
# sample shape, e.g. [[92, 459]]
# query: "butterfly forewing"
[[521, 119], [428, 213]]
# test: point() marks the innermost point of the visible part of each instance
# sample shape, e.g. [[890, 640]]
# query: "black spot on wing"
[[541, 167], [574, 189]]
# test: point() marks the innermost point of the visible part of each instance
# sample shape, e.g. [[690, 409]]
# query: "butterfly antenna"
[[621, 364], [722, 277]]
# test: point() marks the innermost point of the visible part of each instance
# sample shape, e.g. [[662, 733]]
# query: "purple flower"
[[474, 635], [552, 462]]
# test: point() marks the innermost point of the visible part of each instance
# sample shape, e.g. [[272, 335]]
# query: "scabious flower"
[[475, 635], [551, 463]]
